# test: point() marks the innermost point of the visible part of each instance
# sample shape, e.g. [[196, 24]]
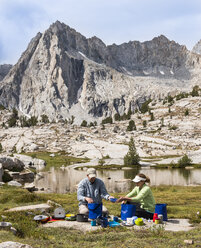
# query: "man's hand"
[[111, 197], [89, 200]]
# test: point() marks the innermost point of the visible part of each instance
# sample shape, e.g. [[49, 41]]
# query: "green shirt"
[[143, 196]]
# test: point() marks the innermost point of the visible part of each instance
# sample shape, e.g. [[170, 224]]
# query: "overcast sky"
[[113, 21]]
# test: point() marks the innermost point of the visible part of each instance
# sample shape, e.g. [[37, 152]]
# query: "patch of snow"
[[162, 72], [146, 73], [171, 72], [83, 54], [128, 72]]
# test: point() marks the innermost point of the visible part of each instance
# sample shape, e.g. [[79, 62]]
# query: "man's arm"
[[81, 193]]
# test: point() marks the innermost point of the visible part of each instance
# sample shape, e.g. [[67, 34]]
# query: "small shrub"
[[170, 99], [195, 91], [117, 117], [181, 95], [107, 120], [131, 126], [72, 119], [84, 123], [151, 116], [186, 112], [173, 127], [106, 157], [162, 122], [44, 119], [1, 148], [145, 108], [13, 119], [184, 161], [28, 122], [2, 107], [144, 123]]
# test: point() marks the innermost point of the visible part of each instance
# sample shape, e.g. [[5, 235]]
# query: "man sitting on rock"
[[91, 190]]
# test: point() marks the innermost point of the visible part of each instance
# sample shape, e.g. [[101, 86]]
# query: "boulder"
[[30, 162], [10, 244], [12, 163], [30, 187], [23, 177], [15, 184]]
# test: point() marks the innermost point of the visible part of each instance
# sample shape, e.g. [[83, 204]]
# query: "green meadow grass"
[[182, 202], [59, 159]]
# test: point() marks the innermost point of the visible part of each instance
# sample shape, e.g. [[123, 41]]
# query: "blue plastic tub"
[[161, 209], [127, 211], [95, 210]]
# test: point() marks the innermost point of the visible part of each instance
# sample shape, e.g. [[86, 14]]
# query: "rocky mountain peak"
[[197, 48], [62, 73]]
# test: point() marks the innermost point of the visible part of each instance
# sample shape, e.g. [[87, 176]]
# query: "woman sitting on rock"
[[142, 197]]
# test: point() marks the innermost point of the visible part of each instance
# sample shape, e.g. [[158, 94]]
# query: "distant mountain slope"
[[62, 73]]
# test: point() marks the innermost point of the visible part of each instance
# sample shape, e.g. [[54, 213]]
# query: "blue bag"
[[161, 209], [127, 211], [95, 210]]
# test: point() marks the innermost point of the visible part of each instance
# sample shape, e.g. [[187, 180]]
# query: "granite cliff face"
[[62, 73], [4, 69]]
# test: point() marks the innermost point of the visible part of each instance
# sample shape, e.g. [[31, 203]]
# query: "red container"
[[155, 217]]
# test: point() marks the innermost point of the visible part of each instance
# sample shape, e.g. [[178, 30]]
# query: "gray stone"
[[30, 207], [30, 187], [15, 184], [10, 244], [11, 163], [30, 162]]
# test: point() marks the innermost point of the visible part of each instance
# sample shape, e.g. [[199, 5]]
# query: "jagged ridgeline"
[[63, 74]]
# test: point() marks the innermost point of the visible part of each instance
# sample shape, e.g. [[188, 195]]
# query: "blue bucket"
[[95, 210], [161, 209], [127, 211]]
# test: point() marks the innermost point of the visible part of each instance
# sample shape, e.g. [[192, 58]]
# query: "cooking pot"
[[82, 218]]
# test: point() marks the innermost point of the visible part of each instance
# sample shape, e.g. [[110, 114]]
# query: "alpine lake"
[[63, 180]]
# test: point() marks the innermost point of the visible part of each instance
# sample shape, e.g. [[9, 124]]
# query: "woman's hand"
[[120, 199]]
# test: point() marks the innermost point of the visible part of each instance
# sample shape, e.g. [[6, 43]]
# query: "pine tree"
[[132, 157]]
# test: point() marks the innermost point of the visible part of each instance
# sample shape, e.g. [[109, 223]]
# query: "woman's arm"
[[124, 198], [128, 196]]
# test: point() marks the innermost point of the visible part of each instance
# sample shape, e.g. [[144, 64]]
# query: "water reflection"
[[66, 180]]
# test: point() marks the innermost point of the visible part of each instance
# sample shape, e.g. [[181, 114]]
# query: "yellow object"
[[70, 215], [139, 222], [157, 221]]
